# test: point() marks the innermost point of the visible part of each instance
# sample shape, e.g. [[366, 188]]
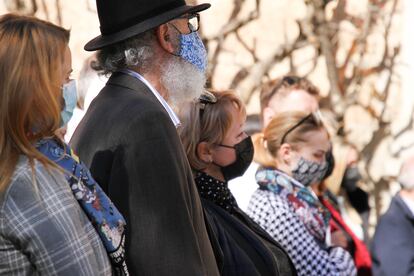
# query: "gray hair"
[[136, 51]]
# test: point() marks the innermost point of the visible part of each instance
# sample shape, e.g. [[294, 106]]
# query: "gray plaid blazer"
[[43, 230]]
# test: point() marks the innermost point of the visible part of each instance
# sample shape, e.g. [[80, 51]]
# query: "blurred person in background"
[[286, 94], [393, 243], [292, 153], [332, 196], [289, 93], [45, 228], [219, 150], [155, 59], [342, 188]]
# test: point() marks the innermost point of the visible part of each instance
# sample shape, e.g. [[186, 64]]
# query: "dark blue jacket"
[[393, 244]]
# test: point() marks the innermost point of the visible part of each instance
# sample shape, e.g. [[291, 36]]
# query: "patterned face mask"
[[308, 172], [193, 51]]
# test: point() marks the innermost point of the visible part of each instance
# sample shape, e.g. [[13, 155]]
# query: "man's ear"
[[165, 39], [204, 152], [268, 114]]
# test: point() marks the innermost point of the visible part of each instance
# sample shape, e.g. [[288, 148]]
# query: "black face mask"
[[244, 156]]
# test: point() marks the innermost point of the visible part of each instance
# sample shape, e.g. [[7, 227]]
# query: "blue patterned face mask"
[[69, 94], [193, 51]]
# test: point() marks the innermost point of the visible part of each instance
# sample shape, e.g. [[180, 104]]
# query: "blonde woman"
[[45, 228], [292, 151], [219, 150]]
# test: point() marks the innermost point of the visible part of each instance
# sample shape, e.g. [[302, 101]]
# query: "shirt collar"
[[409, 203], [174, 118]]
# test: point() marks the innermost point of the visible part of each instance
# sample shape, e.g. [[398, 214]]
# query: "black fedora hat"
[[122, 19]]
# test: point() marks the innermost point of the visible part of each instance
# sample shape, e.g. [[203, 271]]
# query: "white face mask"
[[308, 172], [70, 95]]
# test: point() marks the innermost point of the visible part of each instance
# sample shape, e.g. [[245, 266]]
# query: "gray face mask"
[[308, 172]]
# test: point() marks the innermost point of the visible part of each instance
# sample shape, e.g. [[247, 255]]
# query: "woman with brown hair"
[[292, 152], [219, 150], [45, 221]]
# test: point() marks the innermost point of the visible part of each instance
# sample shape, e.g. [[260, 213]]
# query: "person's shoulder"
[[268, 206], [395, 215], [20, 177], [266, 201], [393, 223], [20, 190], [264, 195], [130, 102], [396, 207], [26, 182], [212, 208], [126, 97], [210, 213]]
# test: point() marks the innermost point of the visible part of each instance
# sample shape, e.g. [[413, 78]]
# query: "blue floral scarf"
[[105, 217], [300, 199]]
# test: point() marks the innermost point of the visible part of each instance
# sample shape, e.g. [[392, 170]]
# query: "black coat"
[[393, 243], [243, 246], [133, 150]]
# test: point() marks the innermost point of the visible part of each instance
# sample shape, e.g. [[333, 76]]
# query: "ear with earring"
[[208, 160]]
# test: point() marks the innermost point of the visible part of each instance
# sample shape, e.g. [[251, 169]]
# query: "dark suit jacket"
[[245, 248], [393, 244], [133, 150]]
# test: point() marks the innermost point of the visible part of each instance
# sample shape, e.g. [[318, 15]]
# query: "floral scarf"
[[300, 199], [104, 216]]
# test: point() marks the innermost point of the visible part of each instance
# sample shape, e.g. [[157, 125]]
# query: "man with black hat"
[[128, 137]]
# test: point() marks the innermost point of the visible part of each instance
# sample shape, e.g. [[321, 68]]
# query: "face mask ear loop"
[[177, 54]]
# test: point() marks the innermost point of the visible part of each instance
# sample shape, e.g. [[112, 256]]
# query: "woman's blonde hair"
[[286, 127], [31, 57], [207, 122]]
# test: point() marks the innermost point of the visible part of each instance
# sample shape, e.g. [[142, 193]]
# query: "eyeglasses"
[[316, 116], [193, 23], [206, 98]]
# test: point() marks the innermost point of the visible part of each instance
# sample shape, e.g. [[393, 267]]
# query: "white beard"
[[183, 81]]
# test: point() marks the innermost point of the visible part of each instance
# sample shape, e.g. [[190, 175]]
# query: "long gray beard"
[[183, 81]]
